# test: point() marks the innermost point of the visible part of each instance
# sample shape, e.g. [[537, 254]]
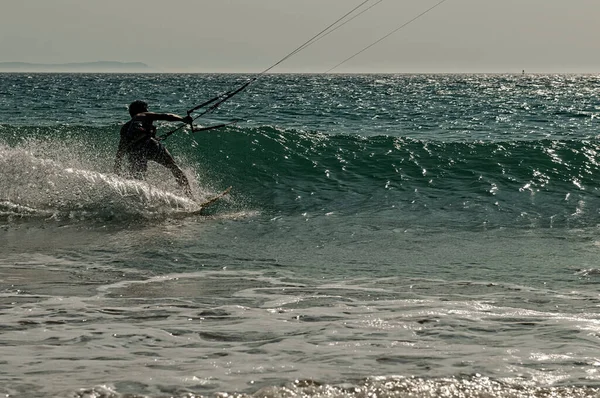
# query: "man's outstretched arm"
[[169, 117]]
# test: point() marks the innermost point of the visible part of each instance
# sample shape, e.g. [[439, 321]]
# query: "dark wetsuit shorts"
[[150, 149]]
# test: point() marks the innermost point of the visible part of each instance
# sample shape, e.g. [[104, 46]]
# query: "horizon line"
[[155, 72]]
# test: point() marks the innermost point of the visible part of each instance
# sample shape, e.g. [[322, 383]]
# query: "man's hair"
[[137, 107]]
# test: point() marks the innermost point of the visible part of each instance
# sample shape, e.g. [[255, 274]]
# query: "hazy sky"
[[251, 35]]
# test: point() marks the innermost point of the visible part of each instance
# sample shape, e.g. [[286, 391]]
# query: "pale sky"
[[539, 36]]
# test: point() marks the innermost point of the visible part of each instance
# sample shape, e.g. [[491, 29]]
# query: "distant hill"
[[90, 67]]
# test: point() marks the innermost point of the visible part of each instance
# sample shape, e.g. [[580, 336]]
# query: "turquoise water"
[[388, 235]]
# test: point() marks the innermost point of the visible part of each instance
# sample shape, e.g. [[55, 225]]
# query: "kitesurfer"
[[139, 143]]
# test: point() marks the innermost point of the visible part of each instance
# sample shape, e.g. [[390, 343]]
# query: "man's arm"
[[169, 117]]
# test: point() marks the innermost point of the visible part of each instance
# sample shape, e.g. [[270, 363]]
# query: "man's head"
[[138, 107]]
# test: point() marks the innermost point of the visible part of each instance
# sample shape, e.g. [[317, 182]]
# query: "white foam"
[[32, 185]]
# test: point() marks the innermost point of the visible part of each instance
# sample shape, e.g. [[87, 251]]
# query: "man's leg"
[[181, 178], [163, 157], [138, 165]]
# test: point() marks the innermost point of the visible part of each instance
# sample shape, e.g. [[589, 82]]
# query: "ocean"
[[386, 236]]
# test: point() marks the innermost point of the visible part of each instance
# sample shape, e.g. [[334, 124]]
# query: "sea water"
[[385, 236]]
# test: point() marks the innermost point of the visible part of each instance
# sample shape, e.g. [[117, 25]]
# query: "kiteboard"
[[208, 202]]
